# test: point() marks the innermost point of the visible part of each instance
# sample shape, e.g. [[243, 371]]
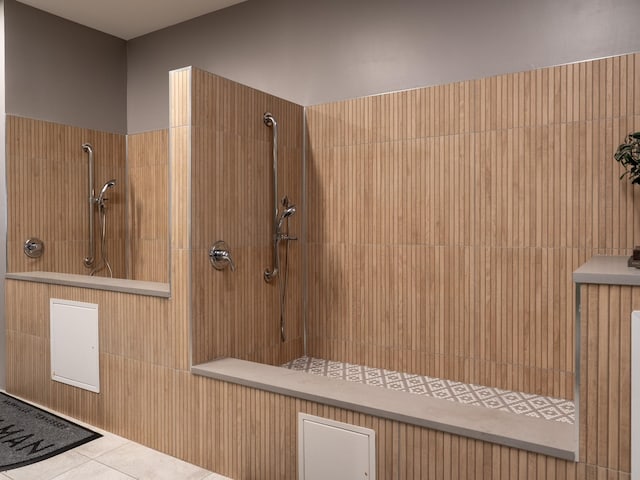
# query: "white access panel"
[[333, 450], [635, 395], [74, 344]]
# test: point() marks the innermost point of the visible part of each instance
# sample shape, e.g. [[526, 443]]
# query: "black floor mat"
[[29, 434]]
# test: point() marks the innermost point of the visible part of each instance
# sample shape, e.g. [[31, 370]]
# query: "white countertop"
[[135, 287], [607, 270]]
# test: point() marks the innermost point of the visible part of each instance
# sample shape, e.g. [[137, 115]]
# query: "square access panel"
[[334, 450], [74, 344]]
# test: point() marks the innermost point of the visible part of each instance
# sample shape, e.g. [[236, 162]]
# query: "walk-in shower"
[[280, 228], [100, 202]]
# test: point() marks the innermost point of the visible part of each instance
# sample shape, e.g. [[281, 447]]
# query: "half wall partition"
[[237, 314]]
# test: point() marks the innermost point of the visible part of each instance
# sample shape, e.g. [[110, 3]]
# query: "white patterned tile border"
[[536, 406]]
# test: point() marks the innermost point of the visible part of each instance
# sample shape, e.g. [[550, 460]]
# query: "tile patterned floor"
[[536, 406], [110, 458]]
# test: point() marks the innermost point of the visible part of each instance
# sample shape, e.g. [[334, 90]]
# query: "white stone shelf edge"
[[134, 287], [547, 437], [607, 270]]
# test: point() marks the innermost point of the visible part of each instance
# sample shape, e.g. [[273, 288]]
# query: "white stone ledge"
[[547, 437], [134, 287], [607, 270]]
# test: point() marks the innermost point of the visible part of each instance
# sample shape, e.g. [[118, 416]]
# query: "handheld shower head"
[[87, 147], [286, 213], [289, 211], [103, 190]]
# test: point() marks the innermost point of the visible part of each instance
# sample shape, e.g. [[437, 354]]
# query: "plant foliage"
[[628, 154]]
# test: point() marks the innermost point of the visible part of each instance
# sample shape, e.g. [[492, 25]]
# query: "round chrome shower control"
[[34, 247], [220, 257]]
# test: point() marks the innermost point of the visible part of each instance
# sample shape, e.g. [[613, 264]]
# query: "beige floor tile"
[[146, 464], [100, 446], [109, 457], [48, 469], [93, 470]]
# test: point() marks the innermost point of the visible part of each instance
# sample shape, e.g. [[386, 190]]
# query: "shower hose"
[[103, 244]]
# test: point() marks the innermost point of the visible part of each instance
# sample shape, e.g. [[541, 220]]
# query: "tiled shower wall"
[[47, 194], [445, 222], [47, 198], [148, 206], [237, 314]]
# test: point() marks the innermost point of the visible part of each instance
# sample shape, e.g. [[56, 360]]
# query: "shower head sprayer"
[[268, 120], [286, 213], [289, 211], [110, 184], [103, 190], [86, 147]]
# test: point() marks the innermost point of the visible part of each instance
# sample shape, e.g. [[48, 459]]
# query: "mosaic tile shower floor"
[[536, 406]]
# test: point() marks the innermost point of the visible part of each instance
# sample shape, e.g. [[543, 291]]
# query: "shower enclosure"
[[245, 169], [136, 232], [393, 228]]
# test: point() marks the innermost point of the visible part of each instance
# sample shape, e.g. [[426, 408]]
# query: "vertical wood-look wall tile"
[[528, 181], [148, 206], [237, 313], [499, 239], [47, 194]]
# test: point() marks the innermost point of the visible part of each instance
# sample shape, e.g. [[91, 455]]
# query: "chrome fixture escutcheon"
[[220, 257], [34, 247]]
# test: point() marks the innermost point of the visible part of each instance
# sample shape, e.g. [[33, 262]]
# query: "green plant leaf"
[[628, 155]]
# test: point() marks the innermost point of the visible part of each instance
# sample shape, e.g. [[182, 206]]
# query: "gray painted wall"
[[60, 71], [314, 52]]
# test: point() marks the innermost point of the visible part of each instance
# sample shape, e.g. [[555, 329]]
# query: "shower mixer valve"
[[220, 257]]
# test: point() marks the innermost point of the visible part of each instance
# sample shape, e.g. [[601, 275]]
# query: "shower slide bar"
[[288, 209], [100, 202], [270, 121], [90, 258], [280, 234]]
